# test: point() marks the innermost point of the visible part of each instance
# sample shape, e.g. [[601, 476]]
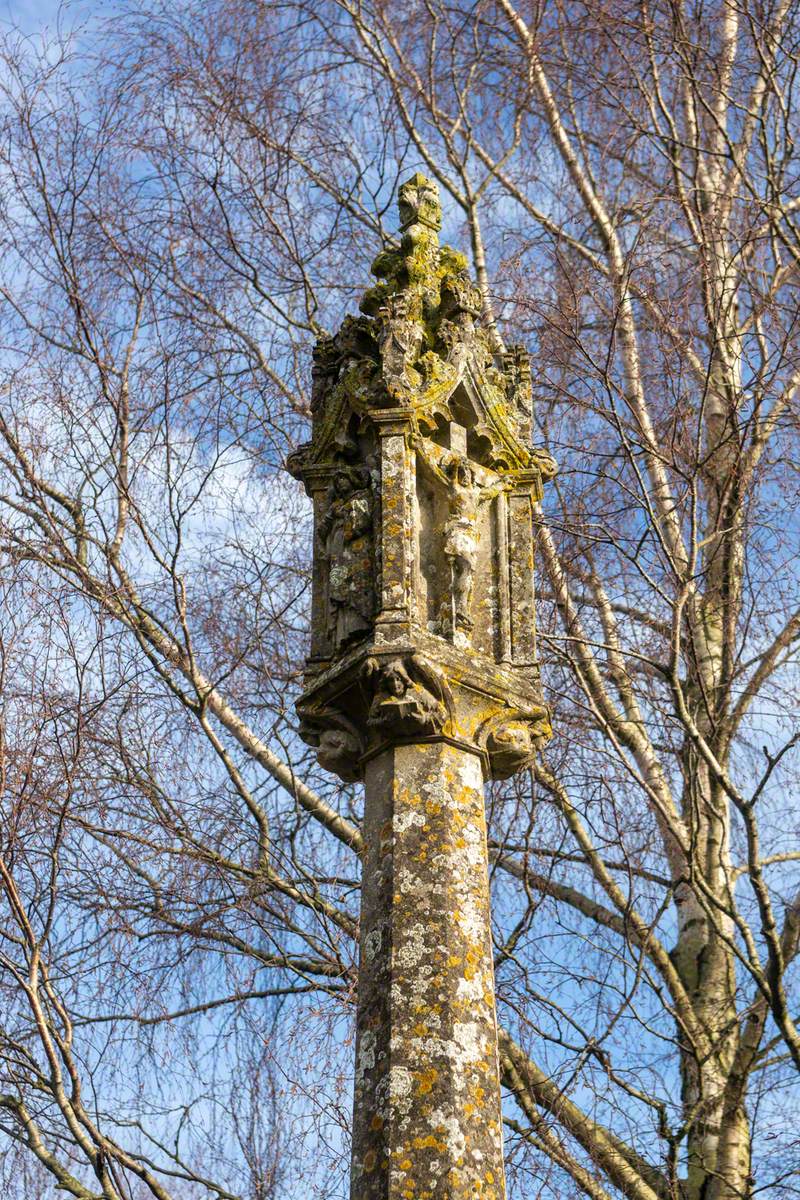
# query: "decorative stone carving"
[[412, 268], [466, 492], [517, 370], [422, 478], [338, 742], [458, 332], [544, 464], [346, 539], [460, 536], [513, 740], [411, 698], [400, 341], [326, 359], [460, 296], [418, 203]]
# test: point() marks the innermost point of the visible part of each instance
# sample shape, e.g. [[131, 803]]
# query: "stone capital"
[[401, 692]]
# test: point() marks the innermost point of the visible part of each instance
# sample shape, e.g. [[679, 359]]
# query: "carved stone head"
[[342, 484], [338, 752], [348, 480], [394, 680], [461, 473], [511, 748]]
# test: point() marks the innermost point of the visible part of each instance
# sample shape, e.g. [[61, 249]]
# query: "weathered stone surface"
[[427, 1121], [346, 535], [422, 680]]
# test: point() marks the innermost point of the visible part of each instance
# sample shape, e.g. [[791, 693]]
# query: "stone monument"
[[422, 681]]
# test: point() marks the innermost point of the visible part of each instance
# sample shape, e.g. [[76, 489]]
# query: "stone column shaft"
[[427, 1120]]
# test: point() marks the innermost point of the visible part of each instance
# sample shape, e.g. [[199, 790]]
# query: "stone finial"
[[419, 203], [415, 267]]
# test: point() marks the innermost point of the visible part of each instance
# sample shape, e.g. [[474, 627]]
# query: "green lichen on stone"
[[415, 268], [420, 337], [419, 267]]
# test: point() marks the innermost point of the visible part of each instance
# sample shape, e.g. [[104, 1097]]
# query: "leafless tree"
[[189, 196]]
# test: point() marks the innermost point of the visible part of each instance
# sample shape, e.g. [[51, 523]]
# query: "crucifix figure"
[[466, 495], [467, 488], [423, 686], [461, 539]]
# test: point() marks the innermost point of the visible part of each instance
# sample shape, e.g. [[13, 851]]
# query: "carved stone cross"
[[422, 681]]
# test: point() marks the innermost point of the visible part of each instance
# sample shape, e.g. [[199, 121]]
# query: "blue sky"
[[30, 15]]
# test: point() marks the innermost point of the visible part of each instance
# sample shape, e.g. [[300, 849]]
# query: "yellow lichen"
[[426, 1080], [429, 1142]]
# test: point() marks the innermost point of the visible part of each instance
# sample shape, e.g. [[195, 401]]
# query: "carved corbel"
[[409, 698], [338, 742], [512, 739]]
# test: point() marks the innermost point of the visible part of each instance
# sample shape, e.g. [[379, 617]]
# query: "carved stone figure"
[[461, 538], [460, 297], [466, 493], [325, 360], [410, 698], [400, 342], [346, 538], [412, 268], [356, 341], [337, 740], [513, 740], [517, 370], [418, 203]]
